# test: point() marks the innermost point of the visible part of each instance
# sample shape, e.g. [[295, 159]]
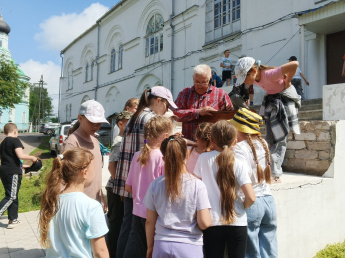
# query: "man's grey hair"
[[202, 69]]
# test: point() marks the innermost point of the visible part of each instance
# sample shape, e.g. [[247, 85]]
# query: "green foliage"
[[46, 106], [332, 251], [12, 87], [54, 119]]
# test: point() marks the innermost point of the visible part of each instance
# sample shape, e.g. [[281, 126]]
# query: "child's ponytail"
[[174, 150], [224, 135], [154, 128], [66, 170], [267, 171]]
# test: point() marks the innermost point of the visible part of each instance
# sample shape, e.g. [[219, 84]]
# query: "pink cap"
[[162, 92]]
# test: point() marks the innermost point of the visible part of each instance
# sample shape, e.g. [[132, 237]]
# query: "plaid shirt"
[[130, 144], [189, 102]]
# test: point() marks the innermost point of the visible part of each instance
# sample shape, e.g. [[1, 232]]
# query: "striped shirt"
[[130, 144], [189, 102]]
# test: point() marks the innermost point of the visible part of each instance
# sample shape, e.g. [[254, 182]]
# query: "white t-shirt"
[[243, 151], [297, 74], [206, 168], [177, 220], [227, 62], [78, 220]]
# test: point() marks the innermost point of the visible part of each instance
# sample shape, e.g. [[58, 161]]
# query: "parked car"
[[49, 128], [57, 140]]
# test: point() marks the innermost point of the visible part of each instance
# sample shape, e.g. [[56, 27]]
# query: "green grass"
[[332, 251], [32, 188]]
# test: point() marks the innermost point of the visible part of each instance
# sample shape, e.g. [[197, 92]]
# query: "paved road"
[[29, 140]]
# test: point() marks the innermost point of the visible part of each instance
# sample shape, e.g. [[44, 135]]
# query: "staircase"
[[311, 110]]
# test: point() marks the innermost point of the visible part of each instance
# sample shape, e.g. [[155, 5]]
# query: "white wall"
[[310, 209], [334, 102]]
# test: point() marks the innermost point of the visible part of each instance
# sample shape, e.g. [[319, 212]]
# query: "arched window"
[[154, 35], [92, 68], [120, 56], [112, 60], [86, 72]]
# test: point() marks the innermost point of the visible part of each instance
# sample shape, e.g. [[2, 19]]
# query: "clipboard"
[[220, 115]]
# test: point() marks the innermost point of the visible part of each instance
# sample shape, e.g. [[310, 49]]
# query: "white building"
[[139, 44]]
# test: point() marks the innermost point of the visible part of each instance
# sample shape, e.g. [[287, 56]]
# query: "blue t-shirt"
[[78, 220], [227, 62]]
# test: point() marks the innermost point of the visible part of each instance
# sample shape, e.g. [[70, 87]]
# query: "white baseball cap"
[[242, 67], [93, 111]]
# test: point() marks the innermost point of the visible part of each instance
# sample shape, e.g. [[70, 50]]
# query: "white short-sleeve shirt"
[[206, 168]]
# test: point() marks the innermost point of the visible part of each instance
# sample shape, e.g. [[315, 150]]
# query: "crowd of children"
[[164, 198]]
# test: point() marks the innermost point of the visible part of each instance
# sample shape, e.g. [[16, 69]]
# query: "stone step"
[[310, 115], [311, 107]]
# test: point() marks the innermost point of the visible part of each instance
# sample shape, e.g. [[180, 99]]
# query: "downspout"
[[172, 47], [61, 55], [302, 55], [97, 74]]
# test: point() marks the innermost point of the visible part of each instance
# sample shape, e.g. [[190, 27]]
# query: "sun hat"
[[123, 115], [292, 58], [162, 92], [34, 167], [242, 67], [93, 111], [247, 121]]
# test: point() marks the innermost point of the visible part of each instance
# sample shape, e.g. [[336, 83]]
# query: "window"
[[70, 112], [236, 11], [112, 60], [154, 35], [24, 117], [92, 68], [67, 112], [86, 72], [222, 18], [120, 57]]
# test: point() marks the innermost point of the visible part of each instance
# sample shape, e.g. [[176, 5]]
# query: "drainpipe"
[[97, 74], [172, 47], [302, 55], [61, 55]]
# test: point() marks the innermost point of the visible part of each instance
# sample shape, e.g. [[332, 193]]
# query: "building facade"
[[140, 44], [19, 114]]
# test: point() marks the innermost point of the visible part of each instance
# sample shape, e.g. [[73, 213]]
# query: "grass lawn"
[[31, 188]]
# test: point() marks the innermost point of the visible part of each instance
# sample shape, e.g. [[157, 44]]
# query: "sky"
[[40, 29]]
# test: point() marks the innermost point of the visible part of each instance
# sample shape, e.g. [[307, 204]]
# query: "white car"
[[57, 140]]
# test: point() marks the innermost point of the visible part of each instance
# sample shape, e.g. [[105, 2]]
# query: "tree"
[[12, 87], [46, 104]]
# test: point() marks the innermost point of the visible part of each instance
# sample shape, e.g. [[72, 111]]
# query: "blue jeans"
[[262, 228]]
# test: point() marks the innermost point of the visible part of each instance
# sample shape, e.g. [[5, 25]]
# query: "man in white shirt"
[[297, 79]]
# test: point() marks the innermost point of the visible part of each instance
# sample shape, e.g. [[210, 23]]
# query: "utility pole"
[[40, 86]]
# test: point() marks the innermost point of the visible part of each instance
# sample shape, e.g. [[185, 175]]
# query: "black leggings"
[[216, 237]]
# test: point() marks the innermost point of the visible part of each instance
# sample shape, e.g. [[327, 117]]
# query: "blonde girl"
[[202, 137], [230, 192], [146, 166], [177, 207], [262, 215], [71, 223]]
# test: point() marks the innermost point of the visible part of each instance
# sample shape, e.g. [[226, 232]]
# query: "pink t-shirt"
[[272, 80], [192, 159], [140, 178]]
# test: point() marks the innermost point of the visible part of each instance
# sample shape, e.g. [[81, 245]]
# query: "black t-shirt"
[[10, 163]]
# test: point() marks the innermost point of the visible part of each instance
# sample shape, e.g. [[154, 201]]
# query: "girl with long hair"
[[154, 101], [262, 215], [280, 105], [177, 207], [71, 223], [230, 192], [146, 166]]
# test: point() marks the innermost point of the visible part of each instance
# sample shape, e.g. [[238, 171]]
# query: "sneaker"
[[13, 223]]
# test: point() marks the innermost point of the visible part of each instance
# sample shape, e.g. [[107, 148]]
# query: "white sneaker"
[[13, 223]]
